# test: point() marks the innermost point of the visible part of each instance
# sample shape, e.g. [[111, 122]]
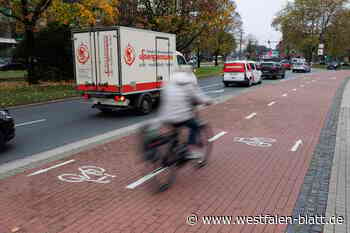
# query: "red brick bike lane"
[[241, 180]]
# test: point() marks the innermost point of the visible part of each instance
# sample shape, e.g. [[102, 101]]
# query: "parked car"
[[193, 61], [273, 70], [286, 65], [7, 127], [241, 72], [10, 64], [333, 66], [301, 67]]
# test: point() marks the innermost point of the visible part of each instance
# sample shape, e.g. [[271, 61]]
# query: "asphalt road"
[[45, 127]]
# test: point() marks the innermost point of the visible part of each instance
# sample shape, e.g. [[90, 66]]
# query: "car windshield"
[[299, 64]]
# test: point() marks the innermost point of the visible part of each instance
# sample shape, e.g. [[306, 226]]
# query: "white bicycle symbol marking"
[[87, 172], [256, 141]]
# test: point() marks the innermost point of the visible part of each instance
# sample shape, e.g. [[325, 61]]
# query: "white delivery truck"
[[121, 67]]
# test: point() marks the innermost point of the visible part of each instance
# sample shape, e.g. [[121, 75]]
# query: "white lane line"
[[313, 81], [209, 86], [217, 91], [272, 103], [302, 86], [146, 178], [50, 168], [285, 95], [296, 145], [160, 170], [216, 137], [30, 123], [294, 89], [251, 116]]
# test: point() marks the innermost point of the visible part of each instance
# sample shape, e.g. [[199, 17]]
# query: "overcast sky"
[[257, 16]]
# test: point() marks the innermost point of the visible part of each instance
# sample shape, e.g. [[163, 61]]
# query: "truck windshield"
[[267, 64], [181, 60]]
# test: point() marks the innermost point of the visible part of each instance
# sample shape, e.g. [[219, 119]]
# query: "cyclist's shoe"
[[194, 155], [201, 163]]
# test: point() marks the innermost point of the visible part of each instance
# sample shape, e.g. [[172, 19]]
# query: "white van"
[[121, 67], [241, 72]]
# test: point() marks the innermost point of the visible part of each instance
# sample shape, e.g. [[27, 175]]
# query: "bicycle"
[[162, 167]]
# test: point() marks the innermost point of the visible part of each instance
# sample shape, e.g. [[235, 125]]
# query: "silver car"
[[301, 67]]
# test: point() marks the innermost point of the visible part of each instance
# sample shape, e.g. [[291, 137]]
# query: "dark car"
[[272, 70], [333, 66], [286, 64], [10, 64], [7, 127]]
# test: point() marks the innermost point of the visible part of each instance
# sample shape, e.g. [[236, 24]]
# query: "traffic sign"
[[320, 52]]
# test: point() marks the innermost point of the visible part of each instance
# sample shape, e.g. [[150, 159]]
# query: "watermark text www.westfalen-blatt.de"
[[194, 219]]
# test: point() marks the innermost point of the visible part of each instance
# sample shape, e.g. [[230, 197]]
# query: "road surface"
[[45, 127]]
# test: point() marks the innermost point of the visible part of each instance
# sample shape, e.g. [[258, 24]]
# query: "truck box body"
[[123, 67], [123, 60]]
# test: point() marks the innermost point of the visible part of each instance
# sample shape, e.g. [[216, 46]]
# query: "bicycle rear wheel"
[[163, 176], [204, 144]]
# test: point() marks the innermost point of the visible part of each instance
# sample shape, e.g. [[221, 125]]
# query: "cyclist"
[[179, 97]]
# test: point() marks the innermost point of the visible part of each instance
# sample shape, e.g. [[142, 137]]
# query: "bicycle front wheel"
[[204, 143]]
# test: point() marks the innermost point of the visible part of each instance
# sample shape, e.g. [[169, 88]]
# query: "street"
[[274, 144], [45, 127]]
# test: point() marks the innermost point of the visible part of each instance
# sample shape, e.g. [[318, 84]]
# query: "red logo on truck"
[[83, 53], [129, 56]]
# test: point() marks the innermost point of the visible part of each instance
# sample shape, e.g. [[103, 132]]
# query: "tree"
[[251, 49], [29, 12], [304, 23], [187, 19], [219, 38], [338, 35], [84, 12]]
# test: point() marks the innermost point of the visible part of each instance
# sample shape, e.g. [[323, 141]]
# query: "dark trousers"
[[194, 128]]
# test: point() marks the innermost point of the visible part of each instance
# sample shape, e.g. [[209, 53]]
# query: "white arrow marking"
[[251, 116], [285, 95], [296, 145], [272, 103], [146, 178], [217, 91], [50, 168], [294, 89], [216, 137]]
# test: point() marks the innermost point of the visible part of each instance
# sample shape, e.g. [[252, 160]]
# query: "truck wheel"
[[226, 84], [2, 140], [145, 105]]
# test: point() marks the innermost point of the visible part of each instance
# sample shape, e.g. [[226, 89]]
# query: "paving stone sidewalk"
[[339, 189]]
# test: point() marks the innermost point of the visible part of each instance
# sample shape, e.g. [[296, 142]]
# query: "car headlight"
[[4, 115]]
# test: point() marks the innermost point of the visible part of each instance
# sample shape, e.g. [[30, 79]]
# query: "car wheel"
[[249, 84], [2, 141], [145, 105]]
